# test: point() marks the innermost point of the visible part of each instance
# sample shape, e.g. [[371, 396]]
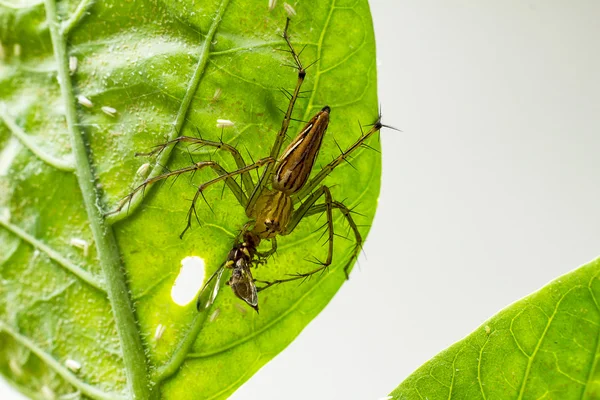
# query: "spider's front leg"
[[200, 142], [232, 184], [276, 148], [314, 182]]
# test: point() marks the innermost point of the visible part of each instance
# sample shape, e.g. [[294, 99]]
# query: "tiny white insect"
[[272, 4], [224, 123], [47, 393], [487, 329], [73, 365], [72, 64], [84, 101], [109, 111], [143, 170], [15, 367], [82, 244], [241, 308], [5, 214], [289, 9], [17, 50], [214, 315], [217, 94], [160, 329]]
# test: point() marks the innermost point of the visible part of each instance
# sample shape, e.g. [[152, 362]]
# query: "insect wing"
[[209, 291], [242, 284]]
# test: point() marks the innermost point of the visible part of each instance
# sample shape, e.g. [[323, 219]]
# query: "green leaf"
[[545, 346], [161, 65]]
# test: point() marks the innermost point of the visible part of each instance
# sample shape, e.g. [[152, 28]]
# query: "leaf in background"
[[545, 346], [166, 68]]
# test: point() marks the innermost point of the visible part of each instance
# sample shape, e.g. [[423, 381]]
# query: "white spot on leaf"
[[84, 101], [189, 281], [82, 244], [160, 329], [72, 64], [223, 123], [109, 111], [289, 9], [73, 365]]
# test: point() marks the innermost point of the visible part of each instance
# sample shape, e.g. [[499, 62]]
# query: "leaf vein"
[[63, 165], [540, 340], [180, 118], [85, 388], [54, 255], [595, 357]]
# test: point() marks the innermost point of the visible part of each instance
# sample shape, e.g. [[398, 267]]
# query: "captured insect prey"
[[282, 197], [239, 260]]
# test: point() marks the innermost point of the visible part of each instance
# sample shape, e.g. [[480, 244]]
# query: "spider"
[[281, 198]]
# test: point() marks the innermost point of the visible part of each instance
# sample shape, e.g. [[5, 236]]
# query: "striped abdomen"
[[296, 162]]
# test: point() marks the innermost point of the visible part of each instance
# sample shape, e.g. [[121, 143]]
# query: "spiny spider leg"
[[227, 177], [233, 185], [284, 125], [314, 182], [296, 218], [239, 161], [318, 209]]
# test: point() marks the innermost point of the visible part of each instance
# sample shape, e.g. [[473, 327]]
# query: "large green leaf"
[[159, 65], [545, 346]]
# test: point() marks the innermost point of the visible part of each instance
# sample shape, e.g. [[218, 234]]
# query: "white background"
[[491, 191]]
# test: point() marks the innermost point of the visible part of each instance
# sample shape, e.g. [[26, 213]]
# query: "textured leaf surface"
[[144, 59], [545, 346]]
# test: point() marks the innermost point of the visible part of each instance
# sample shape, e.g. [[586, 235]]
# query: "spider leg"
[[347, 213], [233, 185], [314, 182], [223, 176], [296, 218], [237, 157], [284, 125]]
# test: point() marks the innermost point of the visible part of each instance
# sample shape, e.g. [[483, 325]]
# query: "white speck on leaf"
[[109, 111], [82, 244], [73, 365], [160, 329], [214, 315], [224, 123], [289, 9], [47, 393], [217, 94], [72, 64], [143, 170], [84, 101], [15, 367]]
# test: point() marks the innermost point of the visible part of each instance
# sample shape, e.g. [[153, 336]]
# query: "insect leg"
[[239, 161], [284, 126], [223, 176], [233, 185], [314, 182]]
